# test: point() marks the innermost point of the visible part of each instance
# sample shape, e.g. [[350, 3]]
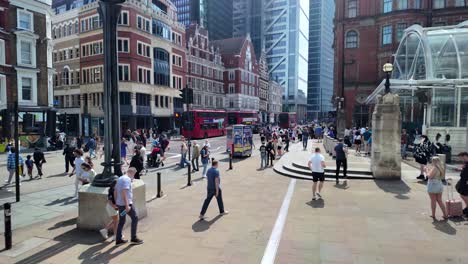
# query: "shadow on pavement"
[[202, 225], [64, 242], [400, 188], [320, 203], [69, 222], [65, 201], [444, 227], [95, 254], [342, 185], [58, 175]]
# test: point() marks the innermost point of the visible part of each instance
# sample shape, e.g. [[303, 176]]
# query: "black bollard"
[[230, 161], [189, 178], [7, 215], [159, 194]]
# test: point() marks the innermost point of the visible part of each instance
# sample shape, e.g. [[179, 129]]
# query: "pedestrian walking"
[[113, 212], [462, 184], [79, 142], [69, 157], [358, 142], [123, 150], [137, 163], [124, 201], [435, 186], [30, 166], [366, 136], [286, 141], [317, 165], [263, 156], [11, 165], [341, 152], [319, 133], [305, 138], [195, 156], [205, 157], [91, 146], [77, 170], [213, 189], [183, 153], [39, 159], [270, 148]]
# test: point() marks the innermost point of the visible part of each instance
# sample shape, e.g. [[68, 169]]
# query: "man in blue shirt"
[[214, 189], [124, 200]]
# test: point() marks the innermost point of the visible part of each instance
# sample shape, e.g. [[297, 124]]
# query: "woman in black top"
[[422, 155], [137, 163], [462, 184]]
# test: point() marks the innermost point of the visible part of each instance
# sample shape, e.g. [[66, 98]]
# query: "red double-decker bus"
[[287, 120], [242, 118], [204, 123]]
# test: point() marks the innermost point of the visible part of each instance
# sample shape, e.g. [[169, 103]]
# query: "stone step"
[[333, 169], [328, 174]]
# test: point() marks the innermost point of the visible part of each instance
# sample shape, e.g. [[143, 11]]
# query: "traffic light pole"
[[17, 165]]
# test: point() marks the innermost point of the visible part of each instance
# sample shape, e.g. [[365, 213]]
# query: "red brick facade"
[[362, 65]]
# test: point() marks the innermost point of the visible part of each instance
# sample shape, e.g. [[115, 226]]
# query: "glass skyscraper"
[[210, 14], [284, 34], [321, 54]]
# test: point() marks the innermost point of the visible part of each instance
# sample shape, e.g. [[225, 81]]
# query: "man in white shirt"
[[317, 165]]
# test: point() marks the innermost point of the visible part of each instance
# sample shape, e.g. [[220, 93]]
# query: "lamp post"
[[387, 68], [109, 10]]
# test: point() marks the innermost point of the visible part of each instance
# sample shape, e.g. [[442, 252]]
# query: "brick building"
[[205, 70], [26, 67], [241, 77], [151, 70], [367, 33]]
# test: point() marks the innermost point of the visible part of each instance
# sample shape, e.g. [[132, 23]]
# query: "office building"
[[321, 55]]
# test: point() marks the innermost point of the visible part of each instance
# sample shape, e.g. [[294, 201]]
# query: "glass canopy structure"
[[431, 76]]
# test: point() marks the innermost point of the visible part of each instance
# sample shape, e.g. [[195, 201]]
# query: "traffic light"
[[177, 119], [187, 95]]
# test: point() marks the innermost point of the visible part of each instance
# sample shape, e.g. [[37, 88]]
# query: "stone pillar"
[[341, 124], [386, 136]]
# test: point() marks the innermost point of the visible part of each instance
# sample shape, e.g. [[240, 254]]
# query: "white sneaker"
[[314, 197], [319, 195], [112, 238], [103, 233]]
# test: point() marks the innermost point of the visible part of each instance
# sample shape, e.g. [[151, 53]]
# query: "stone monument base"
[[92, 214]]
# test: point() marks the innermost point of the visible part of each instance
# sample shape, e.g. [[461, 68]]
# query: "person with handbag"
[[422, 155], [462, 184], [39, 159], [435, 187]]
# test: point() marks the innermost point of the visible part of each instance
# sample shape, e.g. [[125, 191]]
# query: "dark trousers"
[[195, 162], [304, 143], [69, 161], [133, 215], [286, 148], [272, 158], [338, 165], [39, 168], [209, 196]]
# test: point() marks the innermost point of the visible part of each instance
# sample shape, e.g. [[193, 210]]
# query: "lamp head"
[[388, 67]]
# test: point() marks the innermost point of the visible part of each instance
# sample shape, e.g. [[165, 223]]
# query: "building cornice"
[[43, 6]]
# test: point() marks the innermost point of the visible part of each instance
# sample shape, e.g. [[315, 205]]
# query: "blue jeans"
[[205, 168], [209, 196], [133, 215], [304, 143], [183, 160], [263, 161], [91, 153], [403, 151]]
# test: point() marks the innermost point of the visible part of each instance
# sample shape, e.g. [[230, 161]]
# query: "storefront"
[[431, 76]]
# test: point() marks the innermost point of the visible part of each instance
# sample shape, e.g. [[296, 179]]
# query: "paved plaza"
[[366, 221]]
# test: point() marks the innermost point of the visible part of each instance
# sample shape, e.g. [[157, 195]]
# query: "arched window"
[[66, 76], [351, 39], [161, 67]]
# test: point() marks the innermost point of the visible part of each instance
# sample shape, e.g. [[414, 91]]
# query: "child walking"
[[29, 165]]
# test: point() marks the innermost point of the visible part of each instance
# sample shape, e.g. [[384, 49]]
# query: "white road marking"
[[270, 252]]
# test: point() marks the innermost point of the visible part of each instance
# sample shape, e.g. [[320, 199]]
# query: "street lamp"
[[387, 68]]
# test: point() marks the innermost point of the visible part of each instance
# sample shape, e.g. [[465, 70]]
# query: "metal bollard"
[[159, 194], [7, 217], [230, 160], [189, 178]]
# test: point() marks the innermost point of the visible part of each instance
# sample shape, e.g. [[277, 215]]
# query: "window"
[[351, 39], [231, 75], [417, 4], [161, 67], [437, 4], [387, 35], [122, 45], [402, 4], [26, 89], [2, 52], [156, 100], [91, 49], [124, 72], [177, 60], [123, 18], [26, 52], [387, 6], [144, 24], [143, 49], [144, 75], [400, 30], [460, 3], [352, 8], [232, 88], [160, 29], [25, 20], [66, 76]]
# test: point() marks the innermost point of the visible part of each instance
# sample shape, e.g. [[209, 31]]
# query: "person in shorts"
[[113, 212], [317, 165]]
